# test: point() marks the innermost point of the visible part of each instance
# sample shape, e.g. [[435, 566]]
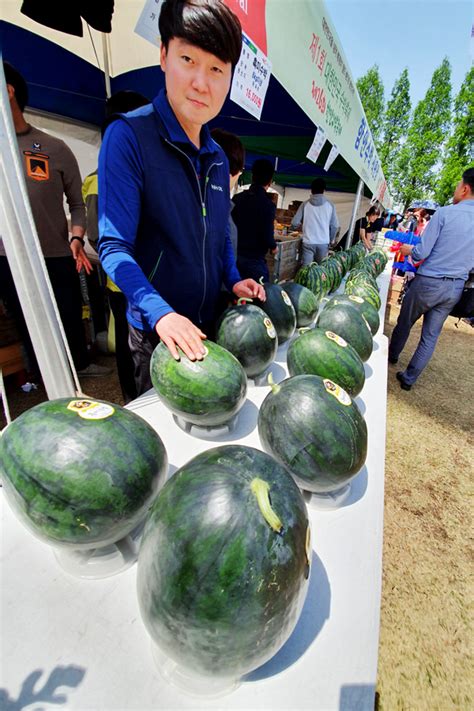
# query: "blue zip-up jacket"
[[164, 217]]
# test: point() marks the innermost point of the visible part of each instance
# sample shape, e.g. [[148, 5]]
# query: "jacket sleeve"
[[120, 189], [429, 238], [231, 273], [333, 224], [72, 185], [270, 226], [298, 218]]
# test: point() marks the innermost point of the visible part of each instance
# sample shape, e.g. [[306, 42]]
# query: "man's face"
[[197, 83]]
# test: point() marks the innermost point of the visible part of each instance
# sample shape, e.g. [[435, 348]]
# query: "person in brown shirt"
[[51, 171]]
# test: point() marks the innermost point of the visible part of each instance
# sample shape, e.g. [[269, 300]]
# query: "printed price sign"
[[147, 25], [316, 146], [251, 78], [331, 157]]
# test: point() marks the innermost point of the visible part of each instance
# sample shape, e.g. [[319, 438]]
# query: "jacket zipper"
[[203, 212]]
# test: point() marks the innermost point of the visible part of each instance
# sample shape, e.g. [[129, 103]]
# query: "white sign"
[[251, 78], [317, 144], [147, 25], [331, 157]]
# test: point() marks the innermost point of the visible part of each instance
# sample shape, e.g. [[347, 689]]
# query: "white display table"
[[79, 644]]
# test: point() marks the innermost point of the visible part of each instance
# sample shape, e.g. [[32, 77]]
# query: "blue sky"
[[405, 33]]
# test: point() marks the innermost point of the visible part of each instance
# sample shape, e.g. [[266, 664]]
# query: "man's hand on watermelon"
[[175, 330], [249, 288]]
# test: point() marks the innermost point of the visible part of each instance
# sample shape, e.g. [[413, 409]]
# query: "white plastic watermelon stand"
[[101, 562], [182, 678]]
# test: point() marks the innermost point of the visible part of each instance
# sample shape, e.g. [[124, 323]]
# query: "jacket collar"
[[175, 132]]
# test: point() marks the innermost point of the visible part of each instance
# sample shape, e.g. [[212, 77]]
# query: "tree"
[[427, 133], [396, 121], [371, 92], [460, 146]]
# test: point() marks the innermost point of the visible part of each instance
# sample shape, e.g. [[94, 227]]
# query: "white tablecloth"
[[84, 639]]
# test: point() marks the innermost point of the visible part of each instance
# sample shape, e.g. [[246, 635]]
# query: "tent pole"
[[355, 210], [27, 264], [105, 51]]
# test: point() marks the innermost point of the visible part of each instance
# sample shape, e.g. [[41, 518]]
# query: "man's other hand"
[[249, 288], [406, 249], [175, 330]]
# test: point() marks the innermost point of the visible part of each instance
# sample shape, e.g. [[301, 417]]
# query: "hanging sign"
[[331, 157], [147, 25], [316, 146], [251, 78]]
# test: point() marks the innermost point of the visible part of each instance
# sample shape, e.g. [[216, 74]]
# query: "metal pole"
[[355, 210], [105, 51], [27, 264]]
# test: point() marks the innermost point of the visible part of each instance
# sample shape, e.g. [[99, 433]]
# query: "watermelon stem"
[[261, 490], [274, 386], [244, 300]]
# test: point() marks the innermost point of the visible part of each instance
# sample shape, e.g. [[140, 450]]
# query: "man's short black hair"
[[468, 178], [262, 172], [14, 78], [208, 24], [232, 147], [318, 186]]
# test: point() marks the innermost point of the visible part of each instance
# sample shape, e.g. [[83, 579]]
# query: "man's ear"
[[162, 56], [11, 92]]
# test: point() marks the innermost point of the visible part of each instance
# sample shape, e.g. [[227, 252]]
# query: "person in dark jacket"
[[164, 191], [254, 215]]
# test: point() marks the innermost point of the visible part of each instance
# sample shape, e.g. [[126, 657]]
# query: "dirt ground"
[[425, 659]]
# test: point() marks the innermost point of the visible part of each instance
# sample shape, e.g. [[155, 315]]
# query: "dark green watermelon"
[[207, 392], [280, 310], [349, 323], [311, 426], [248, 333], [366, 292], [81, 473], [369, 311], [224, 562], [326, 354], [305, 303]]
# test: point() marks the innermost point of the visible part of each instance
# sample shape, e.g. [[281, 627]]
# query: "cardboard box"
[[11, 359], [285, 263]]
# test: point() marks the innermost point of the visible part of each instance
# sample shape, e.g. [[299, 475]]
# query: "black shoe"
[[393, 361], [403, 384]]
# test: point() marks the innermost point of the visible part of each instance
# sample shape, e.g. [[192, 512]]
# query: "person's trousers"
[[123, 356], [253, 268], [432, 298], [313, 253], [67, 291]]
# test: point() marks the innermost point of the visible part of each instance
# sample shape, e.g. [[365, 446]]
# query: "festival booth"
[[81, 641]]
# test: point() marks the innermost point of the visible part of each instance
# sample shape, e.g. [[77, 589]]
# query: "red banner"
[[251, 14]]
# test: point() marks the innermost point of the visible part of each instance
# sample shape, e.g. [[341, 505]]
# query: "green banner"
[[309, 62]]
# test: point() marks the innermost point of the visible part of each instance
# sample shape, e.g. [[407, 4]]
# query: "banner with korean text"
[[308, 60]]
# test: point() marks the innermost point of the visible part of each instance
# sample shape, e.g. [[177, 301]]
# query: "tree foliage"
[[396, 121], [420, 158], [371, 92], [460, 145]]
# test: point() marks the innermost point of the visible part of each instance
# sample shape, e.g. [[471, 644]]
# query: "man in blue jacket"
[[164, 191]]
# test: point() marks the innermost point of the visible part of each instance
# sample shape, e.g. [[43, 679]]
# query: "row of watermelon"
[[225, 556]]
